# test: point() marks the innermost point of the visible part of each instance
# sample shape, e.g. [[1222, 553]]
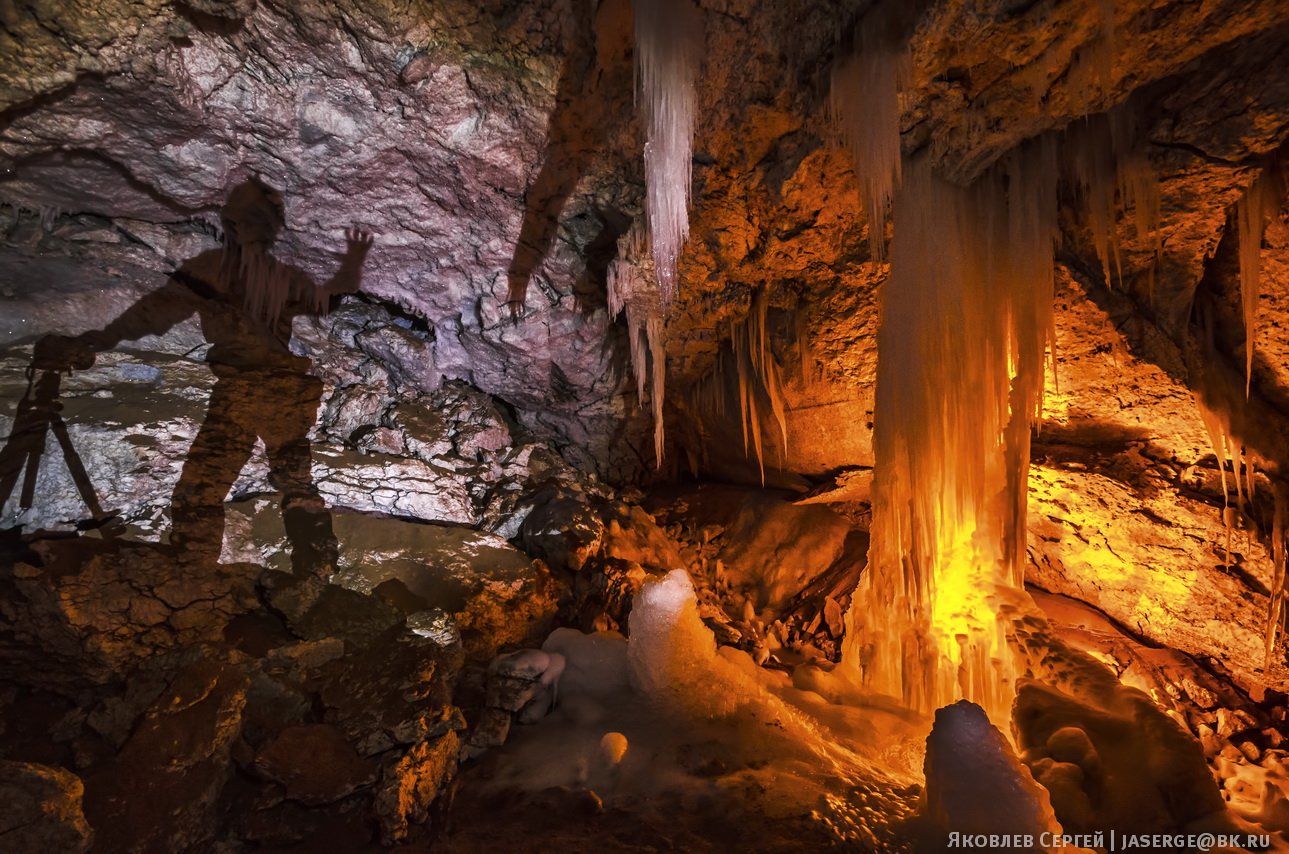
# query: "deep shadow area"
[[593, 80], [246, 301]]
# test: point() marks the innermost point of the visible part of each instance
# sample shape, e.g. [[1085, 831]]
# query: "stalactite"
[[1091, 75], [633, 290], [1218, 402], [1029, 269], [668, 37], [805, 352], [865, 106], [1106, 162], [1276, 603], [1258, 201], [758, 375], [966, 323], [756, 380], [49, 215], [1219, 439]]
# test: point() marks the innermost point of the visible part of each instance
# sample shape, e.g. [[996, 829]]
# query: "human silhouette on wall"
[[246, 301], [594, 84]]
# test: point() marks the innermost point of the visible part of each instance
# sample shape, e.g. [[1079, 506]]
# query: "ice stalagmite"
[[966, 321], [865, 105], [633, 289], [668, 37]]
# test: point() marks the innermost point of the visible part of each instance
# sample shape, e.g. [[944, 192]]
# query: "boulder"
[[40, 809]]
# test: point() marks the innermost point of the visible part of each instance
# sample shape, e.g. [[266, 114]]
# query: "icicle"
[[1105, 161], [668, 37], [1226, 447], [763, 363], [1092, 74], [1276, 604], [658, 356], [1217, 439], [865, 106], [744, 384], [1250, 214], [805, 353], [966, 326], [757, 380], [633, 291]]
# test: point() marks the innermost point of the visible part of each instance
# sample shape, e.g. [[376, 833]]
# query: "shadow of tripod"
[[39, 414]]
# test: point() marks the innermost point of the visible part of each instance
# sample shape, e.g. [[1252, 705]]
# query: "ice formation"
[[757, 369], [668, 37], [966, 322], [1229, 451], [756, 381], [1218, 403], [1105, 161], [976, 785], [1110, 754], [1258, 200], [633, 289], [667, 720], [865, 105], [671, 653], [1276, 606], [1091, 74]]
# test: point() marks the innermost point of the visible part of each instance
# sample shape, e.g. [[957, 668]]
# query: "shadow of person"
[[594, 78], [246, 301]]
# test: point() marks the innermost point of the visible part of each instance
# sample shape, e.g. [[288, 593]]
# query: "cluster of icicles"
[[966, 324], [965, 337], [1258, 202], [747, 370], [668, 55], [642, 284], [966, 331]]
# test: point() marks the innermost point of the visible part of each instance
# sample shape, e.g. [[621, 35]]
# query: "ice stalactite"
[[668, 39], [747, 370], [966, 323], [1226, 417], [633, 289], [1226, 448], [1105, 160], [757, 367], [805, 351], [1276, 605], [1091, 75], [865, 105], [1259, 200]]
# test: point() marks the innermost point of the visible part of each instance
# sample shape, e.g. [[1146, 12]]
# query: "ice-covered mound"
[[665, 734], [977, 787]]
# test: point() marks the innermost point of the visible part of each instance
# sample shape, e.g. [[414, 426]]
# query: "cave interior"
[[641, 425]]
